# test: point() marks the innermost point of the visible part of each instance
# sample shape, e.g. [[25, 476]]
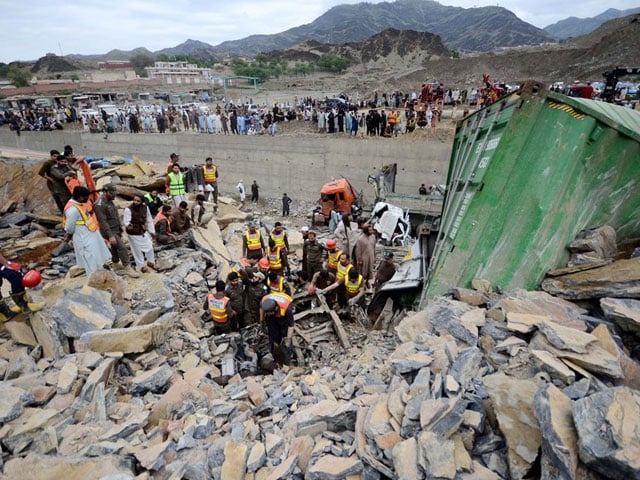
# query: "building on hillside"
[[179, 73]]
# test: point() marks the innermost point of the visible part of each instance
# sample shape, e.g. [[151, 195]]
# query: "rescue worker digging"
[[277, 312]]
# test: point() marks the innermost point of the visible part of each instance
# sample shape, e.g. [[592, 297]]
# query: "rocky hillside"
[[473, 29], [585, 58], [575, 27], [400, 50]]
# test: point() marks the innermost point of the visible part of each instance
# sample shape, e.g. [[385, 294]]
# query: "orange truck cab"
[[337, 195]]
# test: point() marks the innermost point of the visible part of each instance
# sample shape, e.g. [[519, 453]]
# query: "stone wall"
[[298, 165]]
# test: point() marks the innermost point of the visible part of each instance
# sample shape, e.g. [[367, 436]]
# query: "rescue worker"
[[319, 282], [111, 230], [277, 283], [162, 223], [235, 292], [153, 202], [13, 274], [58, 174], [252, 245], [344, 266], [274, 255], [44, 173], [210, 176], [276, 311], [263, 268], [219, 305], [175, 184], [352, 286], [312, 255], [279, 235], [333, 256], [81, 224], [255, 290]]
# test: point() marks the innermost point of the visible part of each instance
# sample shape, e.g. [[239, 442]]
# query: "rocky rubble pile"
[[121, 378]]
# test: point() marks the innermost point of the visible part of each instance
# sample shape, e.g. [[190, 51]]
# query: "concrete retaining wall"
[[298, 165]]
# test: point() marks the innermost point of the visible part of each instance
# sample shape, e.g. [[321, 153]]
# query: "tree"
[[139, 61], [20, 77], [454, 54], [333, 63]]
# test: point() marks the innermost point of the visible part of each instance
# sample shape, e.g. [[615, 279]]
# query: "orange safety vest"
[[275, 259], [343, 270], [210, 175], [254, 241], [333, 259], [279, 239], [87, 215], [353, 287], [161, 216], [282, 299], [391, 118], [276, 287], [218, 308]]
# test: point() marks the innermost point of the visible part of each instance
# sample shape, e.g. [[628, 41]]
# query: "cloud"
[[33, 28]]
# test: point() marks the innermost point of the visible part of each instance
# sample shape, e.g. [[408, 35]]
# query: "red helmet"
[[331, 244], [14, 266], [263, 263], [31, 279]]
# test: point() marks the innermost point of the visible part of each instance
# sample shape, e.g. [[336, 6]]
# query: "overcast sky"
[[31, 28]]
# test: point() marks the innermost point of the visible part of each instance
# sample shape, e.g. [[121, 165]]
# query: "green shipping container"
[[527, 174]]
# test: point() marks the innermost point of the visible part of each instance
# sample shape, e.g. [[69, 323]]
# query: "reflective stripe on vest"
[[253, 241], [343, 270], [275, 260], [276, 286], [353, 287], [218, 308], [279, 239], [282, 299], [87, 215], [176, 184], [210, 175], [333, 259]]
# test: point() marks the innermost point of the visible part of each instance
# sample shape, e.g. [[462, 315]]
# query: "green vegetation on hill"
[[262, 67]]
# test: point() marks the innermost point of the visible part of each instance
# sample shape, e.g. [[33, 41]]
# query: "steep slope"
[[399, 50], [575, 27], [473, 29]]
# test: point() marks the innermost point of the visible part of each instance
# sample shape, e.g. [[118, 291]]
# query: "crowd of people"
[[260, 286], [385, 115]]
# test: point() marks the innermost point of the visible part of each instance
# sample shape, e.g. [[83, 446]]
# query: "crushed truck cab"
[[337, 195]]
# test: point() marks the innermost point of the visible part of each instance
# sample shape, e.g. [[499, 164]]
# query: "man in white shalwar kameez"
[[139, 226], [81, 226]]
